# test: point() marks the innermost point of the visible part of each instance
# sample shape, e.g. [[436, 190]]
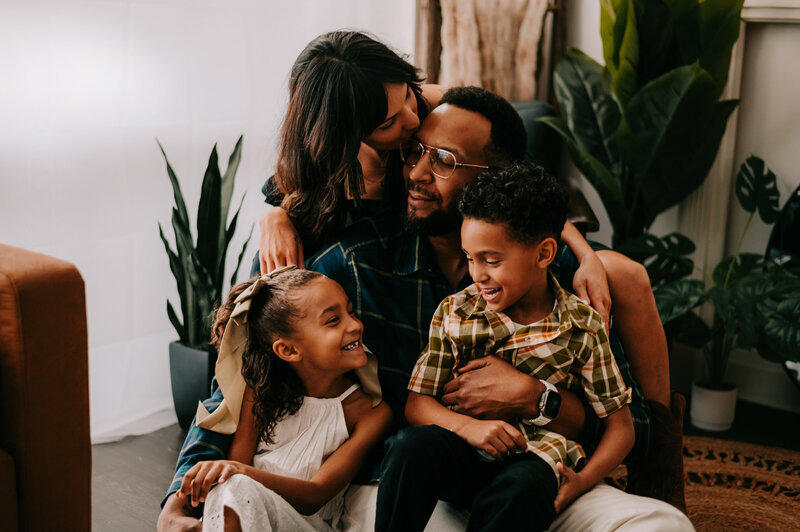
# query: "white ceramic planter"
[[712, 409]]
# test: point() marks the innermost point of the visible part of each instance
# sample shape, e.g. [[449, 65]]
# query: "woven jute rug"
[[740, 486]]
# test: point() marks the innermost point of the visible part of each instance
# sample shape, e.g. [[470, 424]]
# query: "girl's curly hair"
[[273, 313]]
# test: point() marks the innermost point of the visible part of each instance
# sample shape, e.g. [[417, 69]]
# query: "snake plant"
[[198, 264]]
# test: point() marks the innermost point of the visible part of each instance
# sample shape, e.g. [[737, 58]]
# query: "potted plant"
[[756, 302], [198, 265], [645, 128]]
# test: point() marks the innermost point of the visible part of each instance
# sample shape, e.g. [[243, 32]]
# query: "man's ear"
[[546, 252], [286, 350]]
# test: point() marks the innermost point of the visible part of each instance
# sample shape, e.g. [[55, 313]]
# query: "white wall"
[[768, 118], [769, 115], [87, 87]]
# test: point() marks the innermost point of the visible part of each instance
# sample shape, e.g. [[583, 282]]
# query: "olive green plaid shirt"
[[568, 348]]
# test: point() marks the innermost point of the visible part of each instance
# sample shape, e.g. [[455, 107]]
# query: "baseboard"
[[143, 425]]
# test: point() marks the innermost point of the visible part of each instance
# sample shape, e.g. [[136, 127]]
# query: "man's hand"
[[573, 485], [490, 388], [178, 516], [591, 285], [199, 480], [497, 438]]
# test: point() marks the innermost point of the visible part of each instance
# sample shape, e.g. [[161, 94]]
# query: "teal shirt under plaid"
[[569, 347], [395, 284]]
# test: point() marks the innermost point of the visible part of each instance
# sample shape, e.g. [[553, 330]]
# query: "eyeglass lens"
[[442, 162]]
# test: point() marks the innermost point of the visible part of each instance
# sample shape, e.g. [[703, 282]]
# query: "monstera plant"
[[645, 128], [198, 265], [756, 300]]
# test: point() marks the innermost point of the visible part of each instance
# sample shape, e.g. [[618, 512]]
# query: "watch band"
[[542, 419]]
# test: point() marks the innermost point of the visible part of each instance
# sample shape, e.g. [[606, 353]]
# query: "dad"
[[396, 274]]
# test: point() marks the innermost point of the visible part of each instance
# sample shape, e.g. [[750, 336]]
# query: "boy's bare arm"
[[614, 446], [496, 437]]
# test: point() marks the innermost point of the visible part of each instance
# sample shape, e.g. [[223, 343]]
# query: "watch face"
[[552, 405]]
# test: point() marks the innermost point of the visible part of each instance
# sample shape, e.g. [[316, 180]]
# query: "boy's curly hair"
[[529, 201]]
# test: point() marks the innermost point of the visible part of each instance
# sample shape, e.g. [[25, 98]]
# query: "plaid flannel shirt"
[[569, 347]]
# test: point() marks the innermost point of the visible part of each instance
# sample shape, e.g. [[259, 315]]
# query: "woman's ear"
[[286, 350], [546, 252]]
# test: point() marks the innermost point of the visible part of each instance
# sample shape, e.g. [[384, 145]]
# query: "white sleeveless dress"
[[301, 443]]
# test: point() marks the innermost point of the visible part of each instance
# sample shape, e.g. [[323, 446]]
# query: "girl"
[[305, 425]]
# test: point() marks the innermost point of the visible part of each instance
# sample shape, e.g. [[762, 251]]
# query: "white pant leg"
[[360, 503], [602, 509], [605, 508]]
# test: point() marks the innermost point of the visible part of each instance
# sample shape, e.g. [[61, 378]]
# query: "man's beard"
[[439, 222]]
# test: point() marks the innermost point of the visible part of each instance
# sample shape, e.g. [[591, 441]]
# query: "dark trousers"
[[425, 464]]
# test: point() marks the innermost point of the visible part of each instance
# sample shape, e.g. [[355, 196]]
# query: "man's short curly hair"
[[531, 202], [508, 139]]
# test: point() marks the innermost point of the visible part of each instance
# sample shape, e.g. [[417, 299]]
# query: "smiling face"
[[328, 336], [401, 120], [432, 201], [510, 274]]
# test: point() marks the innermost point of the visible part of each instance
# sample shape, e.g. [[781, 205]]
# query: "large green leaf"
[[782, 330], [209, 216], [599, 176], [719, 23], [180, 205], [235, 273], [226, 190], [670, 133], [624, 81], [176, 323], [583, 89], [666, 258], [744, 264], [676, 298], [756, 189]]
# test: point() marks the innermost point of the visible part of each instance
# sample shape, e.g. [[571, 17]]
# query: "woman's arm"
[[432, 93], [279, 242], [614, 446], [589, 282]]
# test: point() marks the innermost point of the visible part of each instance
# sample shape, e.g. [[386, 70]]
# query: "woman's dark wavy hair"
[[336, 99], [277, 388]]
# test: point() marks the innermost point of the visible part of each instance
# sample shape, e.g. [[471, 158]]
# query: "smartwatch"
[[549, 406]]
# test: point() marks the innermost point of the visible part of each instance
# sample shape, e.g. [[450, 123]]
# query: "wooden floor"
[[130, 477]]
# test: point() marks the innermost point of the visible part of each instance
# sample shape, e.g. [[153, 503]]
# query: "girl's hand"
[[590, 284], [199, 480], [572, 486], [279, 243], [496, 437]]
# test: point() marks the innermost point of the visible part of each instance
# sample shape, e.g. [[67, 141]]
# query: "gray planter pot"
[[191, 371]]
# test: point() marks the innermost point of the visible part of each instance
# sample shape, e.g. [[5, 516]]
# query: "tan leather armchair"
[[45, 448]]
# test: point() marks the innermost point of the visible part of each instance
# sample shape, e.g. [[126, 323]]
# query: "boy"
[[516, 311]]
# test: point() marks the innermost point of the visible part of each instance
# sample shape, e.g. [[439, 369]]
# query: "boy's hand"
[[573, 485], [497, 438], [199, 480]]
